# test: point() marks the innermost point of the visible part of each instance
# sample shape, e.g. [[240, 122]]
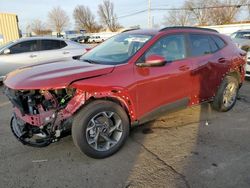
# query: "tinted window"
[[220, 43], [52, 44], [63, 44], [243, 35], [200, 44], [27, 46], [213, 45], [171, 47]]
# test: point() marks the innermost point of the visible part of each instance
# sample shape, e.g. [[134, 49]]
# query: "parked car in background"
[[95, 39], [80, 39], [128, 80], [85, 39], [77, 39], [35, 50], [248, 65], [242, 40]]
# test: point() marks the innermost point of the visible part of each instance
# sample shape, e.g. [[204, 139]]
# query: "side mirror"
[[153, 61], [6, 51]]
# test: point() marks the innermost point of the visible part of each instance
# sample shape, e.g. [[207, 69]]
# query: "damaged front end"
[[41, 116]]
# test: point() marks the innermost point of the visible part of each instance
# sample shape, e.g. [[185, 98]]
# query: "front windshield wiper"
[[90, 61]]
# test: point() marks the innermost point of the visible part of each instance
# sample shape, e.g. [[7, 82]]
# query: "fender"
[[82, 97]]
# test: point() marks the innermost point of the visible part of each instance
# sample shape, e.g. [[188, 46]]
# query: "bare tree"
[[37, 26], [58, 19], [107, 15], [177, 18], [84, 19], [199, 11], [214, 11], [227, 11]]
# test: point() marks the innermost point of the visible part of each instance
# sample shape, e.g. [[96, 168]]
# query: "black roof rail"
[[187, 27]]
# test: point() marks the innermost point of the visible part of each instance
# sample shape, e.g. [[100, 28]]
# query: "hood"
[[54, 75]]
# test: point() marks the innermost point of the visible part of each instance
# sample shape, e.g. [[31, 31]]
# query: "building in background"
[[228, 29], [9, 29]]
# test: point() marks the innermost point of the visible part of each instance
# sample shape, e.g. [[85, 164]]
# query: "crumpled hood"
[[54, 75]]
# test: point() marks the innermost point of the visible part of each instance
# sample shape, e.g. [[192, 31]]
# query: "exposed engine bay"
[[41, 116]]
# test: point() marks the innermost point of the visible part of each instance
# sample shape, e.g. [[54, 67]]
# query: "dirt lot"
[[195, 147]]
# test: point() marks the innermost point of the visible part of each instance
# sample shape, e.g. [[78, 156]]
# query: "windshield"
[[116, 50], [241, 35], [5, 45]]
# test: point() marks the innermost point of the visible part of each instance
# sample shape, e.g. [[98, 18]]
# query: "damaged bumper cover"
[[44, 116]]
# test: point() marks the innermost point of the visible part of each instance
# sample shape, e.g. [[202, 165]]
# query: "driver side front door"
[[165, 87]]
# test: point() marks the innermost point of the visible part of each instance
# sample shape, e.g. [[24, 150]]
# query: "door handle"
[[222, 60], [184, 68], [33, 55], [65, 52]]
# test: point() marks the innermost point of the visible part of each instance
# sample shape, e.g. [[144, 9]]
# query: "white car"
[[34, 50], [248, 65], [95, 39]]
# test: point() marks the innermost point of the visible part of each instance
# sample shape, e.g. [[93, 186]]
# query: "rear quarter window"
[[219, 42]]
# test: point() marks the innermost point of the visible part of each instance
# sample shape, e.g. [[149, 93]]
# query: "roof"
[[243, 30], [39, 38], [9, 14], [156, 31], [188, 27]]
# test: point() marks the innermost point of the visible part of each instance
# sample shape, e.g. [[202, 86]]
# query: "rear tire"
[[226, 95], [100, 129]]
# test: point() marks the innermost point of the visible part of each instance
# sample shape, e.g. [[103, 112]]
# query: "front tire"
[[227, 93], [100, 129]]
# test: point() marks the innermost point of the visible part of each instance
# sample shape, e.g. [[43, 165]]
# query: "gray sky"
[[27, 10]]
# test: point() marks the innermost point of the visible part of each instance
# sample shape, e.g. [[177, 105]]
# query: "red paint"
[[138, 89], [155, 59]]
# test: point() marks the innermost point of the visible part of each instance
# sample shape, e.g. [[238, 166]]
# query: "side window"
[[26, 46], [213, 45], [172, 47], [200, 44], [50, 44], [63, 44], [220, 43]]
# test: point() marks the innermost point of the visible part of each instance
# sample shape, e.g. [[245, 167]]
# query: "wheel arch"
[[120, 98], [235, 74], [112, 99]]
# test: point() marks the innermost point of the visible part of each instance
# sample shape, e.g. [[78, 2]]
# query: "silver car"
[[242, 40], [35, 50]]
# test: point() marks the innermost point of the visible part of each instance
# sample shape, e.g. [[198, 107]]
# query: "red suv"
[[128, 80]]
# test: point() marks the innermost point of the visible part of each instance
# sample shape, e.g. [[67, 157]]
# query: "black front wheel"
[[100, 129]]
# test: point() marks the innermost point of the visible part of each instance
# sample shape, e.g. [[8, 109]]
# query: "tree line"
[[204, 12], [58, 20], [193, 12]]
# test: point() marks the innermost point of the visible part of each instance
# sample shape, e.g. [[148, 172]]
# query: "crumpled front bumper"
[[55, 116]]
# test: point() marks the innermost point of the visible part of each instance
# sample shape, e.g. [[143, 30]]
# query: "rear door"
[[21, 54], [52, 50], [158, 87], [208, 65]]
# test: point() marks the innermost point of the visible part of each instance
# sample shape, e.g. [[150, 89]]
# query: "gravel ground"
[[195, 147]]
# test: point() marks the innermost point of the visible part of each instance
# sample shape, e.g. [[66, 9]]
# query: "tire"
[[219, 102], [94, 123]]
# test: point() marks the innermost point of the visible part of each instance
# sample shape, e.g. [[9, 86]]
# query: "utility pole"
[[149, 14]]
